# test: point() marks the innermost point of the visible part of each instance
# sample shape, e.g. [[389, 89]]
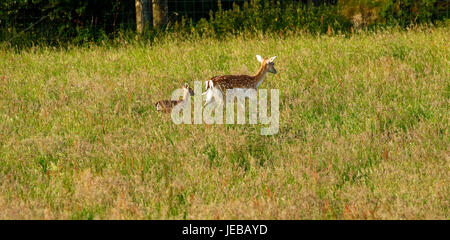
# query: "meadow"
[[364, 130]]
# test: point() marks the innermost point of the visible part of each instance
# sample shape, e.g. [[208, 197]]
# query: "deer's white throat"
[[261, 80]]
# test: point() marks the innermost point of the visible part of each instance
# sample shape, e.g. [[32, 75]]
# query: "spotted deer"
[[222, 83], [167, 105]]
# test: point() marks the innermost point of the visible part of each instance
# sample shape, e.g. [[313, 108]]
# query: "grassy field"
[[364, 131]]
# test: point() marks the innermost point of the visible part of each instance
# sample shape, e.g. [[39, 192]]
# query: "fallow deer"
[[222, 83], [167, 105]]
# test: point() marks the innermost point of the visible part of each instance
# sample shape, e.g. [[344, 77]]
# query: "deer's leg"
[[209, 97]]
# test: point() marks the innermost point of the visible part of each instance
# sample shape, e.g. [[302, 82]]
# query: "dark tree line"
[[107, 14], [95, 19]]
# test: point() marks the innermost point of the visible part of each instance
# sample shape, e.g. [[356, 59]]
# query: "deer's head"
[[267, 63], [187, 91]]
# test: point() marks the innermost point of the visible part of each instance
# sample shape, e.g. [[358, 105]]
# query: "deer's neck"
[[260, 75], [186, 96]]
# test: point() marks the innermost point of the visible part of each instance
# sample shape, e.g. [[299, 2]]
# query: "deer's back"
[[233, 81], [166, 105]]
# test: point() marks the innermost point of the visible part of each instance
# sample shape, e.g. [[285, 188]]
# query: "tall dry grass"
[[363, 134]]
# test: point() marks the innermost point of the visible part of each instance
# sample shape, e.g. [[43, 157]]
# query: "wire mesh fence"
[[197, 9], [96, 17], [66, 19], [124, 16]]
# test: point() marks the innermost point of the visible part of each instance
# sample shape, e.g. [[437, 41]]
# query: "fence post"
[[143, 16], [160, 13], [139, 24]]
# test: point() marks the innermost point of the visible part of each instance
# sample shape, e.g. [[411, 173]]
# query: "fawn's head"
[[188, 90], [267, 63]]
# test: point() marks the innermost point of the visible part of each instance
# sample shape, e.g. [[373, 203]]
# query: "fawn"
[[167, 105], [222, 83]]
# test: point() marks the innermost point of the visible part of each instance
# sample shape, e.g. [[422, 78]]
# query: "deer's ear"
[[259, 58], [186, 85], [272, 58]]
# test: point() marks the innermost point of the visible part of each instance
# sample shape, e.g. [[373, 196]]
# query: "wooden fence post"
[[143, 16], [160, 13]]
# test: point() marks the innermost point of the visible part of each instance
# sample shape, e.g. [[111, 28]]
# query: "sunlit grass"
[[363, 131]]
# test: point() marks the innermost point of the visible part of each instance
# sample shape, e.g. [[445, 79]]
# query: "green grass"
[[363, 133]]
